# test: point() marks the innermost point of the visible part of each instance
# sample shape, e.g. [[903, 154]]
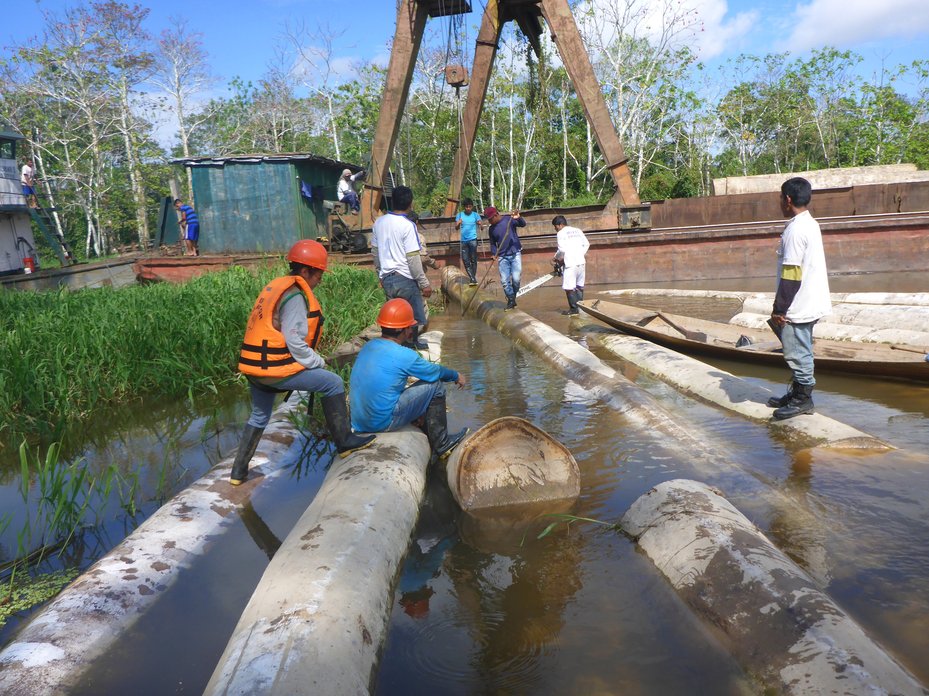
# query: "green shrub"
[[65, 354]]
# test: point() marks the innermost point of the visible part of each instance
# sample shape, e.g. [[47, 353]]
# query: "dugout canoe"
[[510, 462], [692, 335]]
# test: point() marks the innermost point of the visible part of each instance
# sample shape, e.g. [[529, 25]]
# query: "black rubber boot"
[[580, 293], [779, 401], [437, 429], [247, 446], [510, 303], [801, 401], [572, 302], [340, 427], [415, 343]]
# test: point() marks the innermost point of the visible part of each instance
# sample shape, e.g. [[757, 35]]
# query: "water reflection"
[[258, 530], [138, 456], [581, 612]]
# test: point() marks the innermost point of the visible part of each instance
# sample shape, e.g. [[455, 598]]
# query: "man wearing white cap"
[[346, 189]]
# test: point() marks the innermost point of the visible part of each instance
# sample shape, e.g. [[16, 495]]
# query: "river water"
[[484, 606]]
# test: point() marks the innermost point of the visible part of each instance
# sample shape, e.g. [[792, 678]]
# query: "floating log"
[[776, 621]]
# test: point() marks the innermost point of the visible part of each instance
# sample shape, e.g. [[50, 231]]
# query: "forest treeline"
[[95, 93]]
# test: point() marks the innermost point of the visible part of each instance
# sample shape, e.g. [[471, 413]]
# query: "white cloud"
[[720, 34], [844, 23], [310, 66], [706, 26]]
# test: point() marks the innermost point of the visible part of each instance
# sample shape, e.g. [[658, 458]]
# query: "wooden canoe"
[[691, 335], [511, 462]]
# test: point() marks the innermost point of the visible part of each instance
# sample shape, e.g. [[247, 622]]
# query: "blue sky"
[[239, 35]]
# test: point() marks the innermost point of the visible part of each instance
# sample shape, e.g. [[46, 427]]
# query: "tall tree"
[[182, 73], [127, 61]]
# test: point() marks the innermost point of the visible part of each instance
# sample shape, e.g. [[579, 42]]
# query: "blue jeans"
[[414, 401], [797, 340], [316, 380], [351, 200], [396, 285], [469, 258], [511, 268]]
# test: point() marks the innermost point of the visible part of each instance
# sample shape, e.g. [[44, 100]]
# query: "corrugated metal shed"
[[254, 202]]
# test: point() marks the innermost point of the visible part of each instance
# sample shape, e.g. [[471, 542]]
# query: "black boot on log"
[[247, 446], [340, 427], [801, 401]]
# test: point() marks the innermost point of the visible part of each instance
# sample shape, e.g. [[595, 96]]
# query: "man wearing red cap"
[[380, 399], [506, 248]]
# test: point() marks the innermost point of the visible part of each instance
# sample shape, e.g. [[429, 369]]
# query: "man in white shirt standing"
[[802, 296], [396, 251], [27, 179], [346, 189], [572, 247]]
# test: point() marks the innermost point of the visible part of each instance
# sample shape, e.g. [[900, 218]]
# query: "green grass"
[[66, 354]]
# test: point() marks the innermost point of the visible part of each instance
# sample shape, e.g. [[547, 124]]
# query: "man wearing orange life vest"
[[278, 355]]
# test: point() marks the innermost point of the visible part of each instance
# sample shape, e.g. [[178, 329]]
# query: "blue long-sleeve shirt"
[[379, 378], [497, 232]]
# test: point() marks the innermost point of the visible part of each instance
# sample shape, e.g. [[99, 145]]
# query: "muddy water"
[[484, 606]]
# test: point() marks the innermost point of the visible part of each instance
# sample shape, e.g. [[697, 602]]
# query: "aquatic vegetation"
[[69, 353], [25, 592], [567, 520]]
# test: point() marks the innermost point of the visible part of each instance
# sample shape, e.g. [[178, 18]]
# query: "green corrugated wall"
[[257, 206]]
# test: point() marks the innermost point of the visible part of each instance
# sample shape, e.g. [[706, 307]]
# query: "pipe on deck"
[[316, 621], [732, 393], [777, 623], [87, 618], [867, 298]]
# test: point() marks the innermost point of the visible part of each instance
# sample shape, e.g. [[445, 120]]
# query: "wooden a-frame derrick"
[[411, 23]]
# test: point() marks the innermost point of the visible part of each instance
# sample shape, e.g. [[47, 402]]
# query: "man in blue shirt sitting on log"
[[380, 399]]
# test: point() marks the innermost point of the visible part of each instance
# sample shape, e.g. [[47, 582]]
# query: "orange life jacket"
[[264, 350]]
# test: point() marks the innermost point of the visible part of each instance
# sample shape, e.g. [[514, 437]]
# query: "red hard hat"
[[309, 253], [396, 314]]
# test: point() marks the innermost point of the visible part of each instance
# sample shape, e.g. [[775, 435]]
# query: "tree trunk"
[[135, 180]]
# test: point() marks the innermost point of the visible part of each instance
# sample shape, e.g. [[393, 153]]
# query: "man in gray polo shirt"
[[396, 251]]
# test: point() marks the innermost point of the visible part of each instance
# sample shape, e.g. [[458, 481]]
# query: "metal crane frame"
[[411, 23]]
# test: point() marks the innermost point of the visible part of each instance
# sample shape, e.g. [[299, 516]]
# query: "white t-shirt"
[[346, 185], [573, 244], [802, 245], [394, 236], [27, 175]]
